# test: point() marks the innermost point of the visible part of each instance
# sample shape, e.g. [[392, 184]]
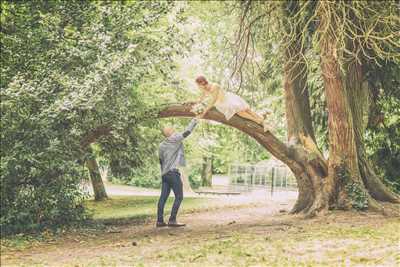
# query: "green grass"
[[117, 210], [340, 239], [311, 244], [314, 245], [120, 209]]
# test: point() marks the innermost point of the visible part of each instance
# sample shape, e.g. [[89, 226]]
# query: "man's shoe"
[[161, 224], [175, 224]]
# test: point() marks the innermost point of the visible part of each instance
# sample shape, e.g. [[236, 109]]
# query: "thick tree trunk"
[[348, 170], [300, 131], [206, 172], [91, 163], [306, 195], [358, 95], [298, 115], [95, 177], [373, 183], [343, 161]]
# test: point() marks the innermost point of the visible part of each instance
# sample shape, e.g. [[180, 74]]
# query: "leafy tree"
[[70, 77], [344, 36]]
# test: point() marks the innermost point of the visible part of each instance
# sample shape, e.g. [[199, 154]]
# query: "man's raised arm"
[[187, 131]]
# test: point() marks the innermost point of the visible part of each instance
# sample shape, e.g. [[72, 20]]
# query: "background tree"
[[338, 182], [70, 75]]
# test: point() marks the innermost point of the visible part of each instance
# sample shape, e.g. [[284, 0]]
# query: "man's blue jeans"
[[170, 180]]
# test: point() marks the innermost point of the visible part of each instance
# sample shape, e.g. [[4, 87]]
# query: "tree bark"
[[298, 114], [206, 173], [358, 95], [94, 171], [95, 177], [349, 172], [342, 143]]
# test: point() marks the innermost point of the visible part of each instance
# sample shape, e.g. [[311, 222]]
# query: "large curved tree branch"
[[296, 158]]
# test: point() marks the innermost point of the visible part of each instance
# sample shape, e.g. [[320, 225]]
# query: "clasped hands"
[[198, 109], [200, 116]]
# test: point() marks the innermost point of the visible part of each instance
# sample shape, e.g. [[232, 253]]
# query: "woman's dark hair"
[[201, 80]]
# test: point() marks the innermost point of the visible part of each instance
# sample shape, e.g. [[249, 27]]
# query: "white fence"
[[249, 176]]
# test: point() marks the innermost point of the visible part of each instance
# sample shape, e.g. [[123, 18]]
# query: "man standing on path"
[[172, 157]]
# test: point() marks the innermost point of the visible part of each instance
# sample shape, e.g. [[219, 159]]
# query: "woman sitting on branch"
[[227, 103]]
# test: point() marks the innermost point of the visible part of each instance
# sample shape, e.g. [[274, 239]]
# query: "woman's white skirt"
[[231, 104]]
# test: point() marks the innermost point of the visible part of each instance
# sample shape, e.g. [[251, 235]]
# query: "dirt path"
[[145, 245], [120, 242]]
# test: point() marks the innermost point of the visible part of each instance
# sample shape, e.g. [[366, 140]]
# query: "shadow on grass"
[[124, 210]]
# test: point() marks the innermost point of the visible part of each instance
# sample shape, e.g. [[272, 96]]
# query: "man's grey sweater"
[[171, 151]]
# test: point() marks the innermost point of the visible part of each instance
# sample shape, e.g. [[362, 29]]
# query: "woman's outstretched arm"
[[202, 97], [211, 104]]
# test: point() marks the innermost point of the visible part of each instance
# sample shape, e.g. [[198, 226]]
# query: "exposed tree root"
[[374, 185]]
